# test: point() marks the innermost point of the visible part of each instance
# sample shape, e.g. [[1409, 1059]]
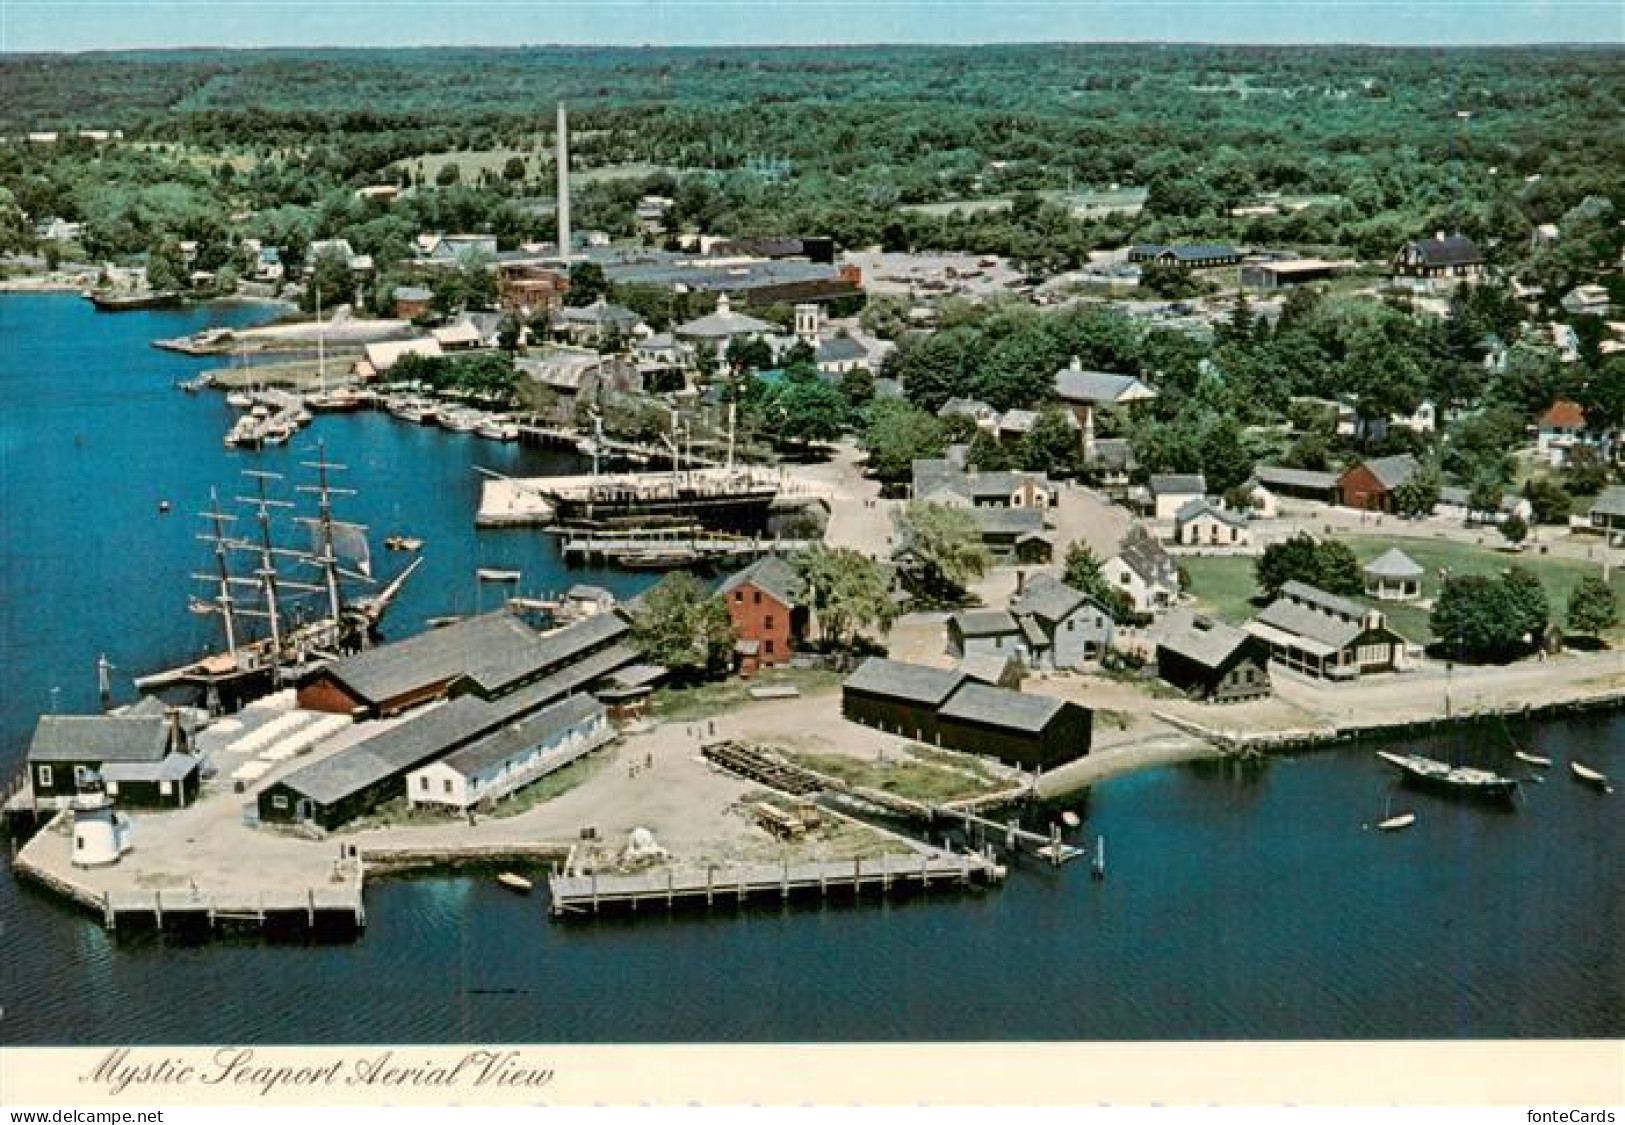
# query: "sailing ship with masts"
[[264, 592], [719, 497]]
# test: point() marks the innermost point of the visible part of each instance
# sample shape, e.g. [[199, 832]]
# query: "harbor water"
[[1241, 901]]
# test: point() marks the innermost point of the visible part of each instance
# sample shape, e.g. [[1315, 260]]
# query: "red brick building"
[[765, 603], [530, 289], [1370, 485]]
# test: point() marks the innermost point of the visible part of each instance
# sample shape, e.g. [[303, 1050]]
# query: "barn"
[[1029, 731], [897, 697]]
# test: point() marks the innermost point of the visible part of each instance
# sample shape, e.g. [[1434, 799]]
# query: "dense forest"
[[1380, 144]]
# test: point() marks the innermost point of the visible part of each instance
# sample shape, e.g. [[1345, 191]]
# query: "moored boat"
[[515, 882], [1461, 780], [403, 543], [1532, 759], [134, 301], [1395, 823], [1590, 776]]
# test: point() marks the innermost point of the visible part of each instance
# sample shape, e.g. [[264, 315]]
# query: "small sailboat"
[[515, 882], [403, 543], [1392, 822], [1532, 759], [1590, 776], [1070, 819]]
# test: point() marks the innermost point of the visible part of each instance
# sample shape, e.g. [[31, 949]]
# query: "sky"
[[80, 25]]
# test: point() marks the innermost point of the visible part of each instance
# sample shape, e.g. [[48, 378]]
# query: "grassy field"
[[685, 704], [538, 165], [913, 777], [1225, 587]]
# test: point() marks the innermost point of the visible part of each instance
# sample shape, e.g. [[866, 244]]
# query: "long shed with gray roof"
[[1313, 631], [138, 758], [359, 777]]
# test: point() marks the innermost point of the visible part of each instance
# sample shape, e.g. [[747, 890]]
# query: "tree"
[[857, 387], [1417, 496], [1593, 608], [166, 266], [987, 454], [1548, 502], [330, 281], [587, 285], [1472, 619], [514, 170], [749, 353], [1484, 500], [509, 333], [895, 434], [1514, 530], [680, 625], [946, 546], [1052, 445], [1168, 281], [1337, 570], [1082, 571], [847, 591], [1526, 601], [1296, 559], [807, 409], [449, 174]]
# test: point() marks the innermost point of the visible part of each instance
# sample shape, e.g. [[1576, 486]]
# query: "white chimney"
[[563, 159]]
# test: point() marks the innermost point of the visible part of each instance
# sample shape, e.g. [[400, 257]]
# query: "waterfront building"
[[497, 765], [585, 600], [136, 759], [1312, 631], [948, 708], [1214, 662], [1370, 485], [356, 779], [1066, 628], [1393, 576], [1200, 522], [766, 602], [489, 655], [379, 358]]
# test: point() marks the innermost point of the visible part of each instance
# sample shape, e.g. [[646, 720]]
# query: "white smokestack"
[[564, 185]]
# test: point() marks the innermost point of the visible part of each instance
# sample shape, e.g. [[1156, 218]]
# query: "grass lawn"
[[685, 704], [914, 777], [1224, 585]]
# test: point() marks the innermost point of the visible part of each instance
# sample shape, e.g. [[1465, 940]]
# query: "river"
[[1242, 901]]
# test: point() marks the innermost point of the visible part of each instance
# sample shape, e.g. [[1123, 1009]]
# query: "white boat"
[[496, 429], [461, 420], [1532, 759], [515, 882], [1070, 819], [1395, 823], [242, 400], [1590, 776], [412, 408]]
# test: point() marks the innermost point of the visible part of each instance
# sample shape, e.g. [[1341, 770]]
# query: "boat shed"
[[489, 655], [1214, 662], [516, 755], [897, 697], [1029, 731], [354, 780]]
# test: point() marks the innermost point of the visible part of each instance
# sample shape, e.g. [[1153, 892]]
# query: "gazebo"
[[1393, 577]]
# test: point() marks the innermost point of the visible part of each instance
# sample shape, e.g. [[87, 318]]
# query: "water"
[[1241, 902]]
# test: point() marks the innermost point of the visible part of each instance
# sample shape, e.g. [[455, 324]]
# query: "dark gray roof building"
[[770, 574], [894, 679], [518, 737], [99, 738], [979, 703]]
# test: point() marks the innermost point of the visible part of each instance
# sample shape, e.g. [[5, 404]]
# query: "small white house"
[[1201, 523], [515, 756], [1172, 491], [1144, 572]]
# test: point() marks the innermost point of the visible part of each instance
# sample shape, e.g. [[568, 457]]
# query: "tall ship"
[[724, 497], [281, 608], [1464, 781]]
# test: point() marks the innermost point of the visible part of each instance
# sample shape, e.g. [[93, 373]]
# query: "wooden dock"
[[695, 546], [576, 895]]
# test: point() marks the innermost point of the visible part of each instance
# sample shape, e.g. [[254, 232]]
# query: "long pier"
[[696, 546], [574, 895]]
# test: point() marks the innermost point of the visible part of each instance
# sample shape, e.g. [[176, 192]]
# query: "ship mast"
[[326, 556], [223, 602], [267, 569], [321, 340]]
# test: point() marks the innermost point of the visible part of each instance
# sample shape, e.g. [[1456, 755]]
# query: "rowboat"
[[403, 543], [1395, 823], [1590, 776], [516, 883], [1070, 819], [1532, 759]]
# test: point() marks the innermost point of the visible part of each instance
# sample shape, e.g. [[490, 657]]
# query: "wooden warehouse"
[[897, 697], [1215, 662], [1030, 731]]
